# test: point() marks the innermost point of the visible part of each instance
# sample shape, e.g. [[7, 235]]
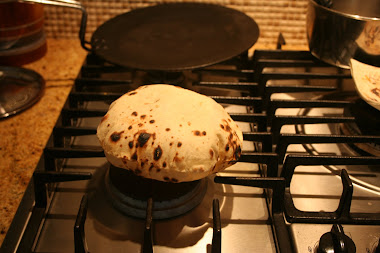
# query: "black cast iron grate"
[[266, 132]]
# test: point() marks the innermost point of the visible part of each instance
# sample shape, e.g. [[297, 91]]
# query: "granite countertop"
[[24, 136]]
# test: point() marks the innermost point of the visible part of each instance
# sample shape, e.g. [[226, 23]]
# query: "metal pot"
[[346, 30]]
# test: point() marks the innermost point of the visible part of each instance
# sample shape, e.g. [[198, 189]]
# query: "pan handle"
[[70, 4]]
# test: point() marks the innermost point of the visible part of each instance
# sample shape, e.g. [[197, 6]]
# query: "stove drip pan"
[[129, 193]]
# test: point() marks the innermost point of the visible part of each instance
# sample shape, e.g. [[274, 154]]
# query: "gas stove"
[[307, 180]]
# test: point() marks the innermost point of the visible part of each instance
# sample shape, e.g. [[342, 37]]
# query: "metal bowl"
[[346, 30]]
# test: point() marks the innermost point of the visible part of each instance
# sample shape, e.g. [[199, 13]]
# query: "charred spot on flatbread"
[[115, 137], [143, 139]]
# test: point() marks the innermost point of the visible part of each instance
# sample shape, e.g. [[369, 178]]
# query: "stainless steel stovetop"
[[252, 219]]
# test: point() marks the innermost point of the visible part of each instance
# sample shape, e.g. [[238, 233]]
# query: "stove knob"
[[336, 241]]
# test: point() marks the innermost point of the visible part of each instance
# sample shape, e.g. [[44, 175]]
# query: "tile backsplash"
[[272, 16]]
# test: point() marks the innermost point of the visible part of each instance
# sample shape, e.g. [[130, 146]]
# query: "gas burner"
[[129, 193], [364, 176], [365, 123], [367, 120]]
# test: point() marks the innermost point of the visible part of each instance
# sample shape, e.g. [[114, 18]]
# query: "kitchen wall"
[[272, 16]]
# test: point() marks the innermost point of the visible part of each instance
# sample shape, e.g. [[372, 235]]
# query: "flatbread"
[[367, 82], [168, 133]]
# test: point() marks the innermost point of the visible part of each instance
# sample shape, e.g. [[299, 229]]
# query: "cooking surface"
[[21, 149], [245, 212], [108, 228], [175, 36]]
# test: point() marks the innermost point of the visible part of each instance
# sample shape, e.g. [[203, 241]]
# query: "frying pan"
[[174, 36], [169, 37]]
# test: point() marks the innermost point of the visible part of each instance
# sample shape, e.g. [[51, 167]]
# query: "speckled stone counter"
[[23, 136]]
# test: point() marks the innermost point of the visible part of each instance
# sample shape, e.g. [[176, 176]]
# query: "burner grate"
[[342, 215], [147, 245], [277, 185], [259, 81]]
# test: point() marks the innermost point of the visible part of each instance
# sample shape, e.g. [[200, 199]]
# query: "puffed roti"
[[168, 133]]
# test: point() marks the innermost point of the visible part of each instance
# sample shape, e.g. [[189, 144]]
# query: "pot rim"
[[353, 16]]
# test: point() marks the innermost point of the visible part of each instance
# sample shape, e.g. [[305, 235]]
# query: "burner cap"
[[129, 193], [20, 88]]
